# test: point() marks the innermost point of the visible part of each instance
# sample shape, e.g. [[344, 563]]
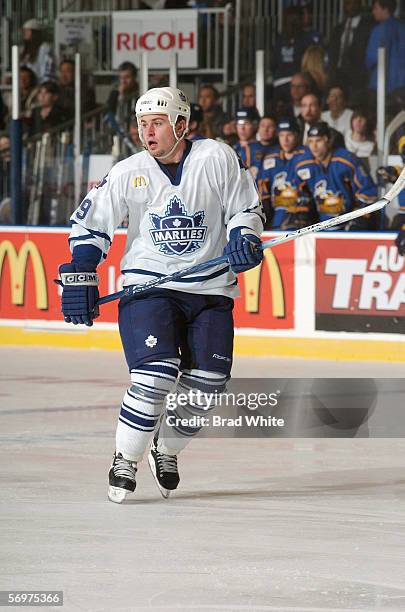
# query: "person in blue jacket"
[[279, 196], [249, 149], [389, 33], [336, 178]]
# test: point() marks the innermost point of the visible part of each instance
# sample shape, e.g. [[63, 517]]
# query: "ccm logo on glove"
[[80, 278]]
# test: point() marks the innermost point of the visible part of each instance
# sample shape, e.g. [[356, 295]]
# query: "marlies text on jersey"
[[177, 233]]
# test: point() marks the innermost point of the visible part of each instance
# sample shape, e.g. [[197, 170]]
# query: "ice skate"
[[121, 478], [164, 469]]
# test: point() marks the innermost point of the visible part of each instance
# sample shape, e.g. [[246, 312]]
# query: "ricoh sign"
[[159, 33]]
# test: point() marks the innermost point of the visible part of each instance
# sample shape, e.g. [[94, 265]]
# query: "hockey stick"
[[310, 229]]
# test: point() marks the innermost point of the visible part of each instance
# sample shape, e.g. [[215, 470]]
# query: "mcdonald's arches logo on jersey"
[[252, 282], [140, 181], [18, 261]]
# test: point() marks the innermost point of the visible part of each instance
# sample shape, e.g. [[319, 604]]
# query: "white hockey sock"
[[142, 406], [175, 435]]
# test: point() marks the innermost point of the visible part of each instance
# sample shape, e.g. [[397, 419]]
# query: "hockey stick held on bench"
[[310, 229]]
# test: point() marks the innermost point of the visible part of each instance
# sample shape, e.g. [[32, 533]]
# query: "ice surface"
[[279, 524]]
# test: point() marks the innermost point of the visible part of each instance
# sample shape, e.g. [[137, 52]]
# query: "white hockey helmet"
[[168, 101]]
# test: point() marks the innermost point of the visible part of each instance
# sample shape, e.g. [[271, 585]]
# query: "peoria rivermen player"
[[186, 202]]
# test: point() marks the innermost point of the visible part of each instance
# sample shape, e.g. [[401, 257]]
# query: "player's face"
[[267, 129], [158, 134], [319, 146], [245, 130], [288, 141]]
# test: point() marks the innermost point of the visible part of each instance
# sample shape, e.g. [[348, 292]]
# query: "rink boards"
[[335, 295]]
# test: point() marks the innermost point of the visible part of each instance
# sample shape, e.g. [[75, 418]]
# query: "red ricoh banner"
[[29, 263], [360, 285]]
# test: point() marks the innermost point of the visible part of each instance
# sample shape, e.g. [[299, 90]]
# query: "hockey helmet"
[[168, 101]]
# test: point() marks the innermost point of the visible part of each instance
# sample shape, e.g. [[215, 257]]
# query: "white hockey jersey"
[[173, 223]]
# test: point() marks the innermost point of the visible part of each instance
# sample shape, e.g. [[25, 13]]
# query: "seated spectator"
[[214, 116], [313, 63], [67, 90], [310, 113], [121, 102], [267, 131], [36, 52], [228, 132], [359, 140], [301, 84], [47, 114], [196, 119], [389, 33], [347, 50], [338, 115]]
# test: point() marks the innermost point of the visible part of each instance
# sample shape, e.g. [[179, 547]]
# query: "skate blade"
[[164, 492], [117, 495]]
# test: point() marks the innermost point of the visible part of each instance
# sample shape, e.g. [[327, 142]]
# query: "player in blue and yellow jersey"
[[389, 174], [249, 149], [279, 195], [336, 178]]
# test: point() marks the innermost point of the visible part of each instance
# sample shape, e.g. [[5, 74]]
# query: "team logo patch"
[[269, 162], [140, 181], [151, 341], [177, 233], [304, 174]]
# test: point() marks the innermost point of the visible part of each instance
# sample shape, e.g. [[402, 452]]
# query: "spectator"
[[337, 115], [288, 51], [248, 96], [310, 113], [121, 102], [267, 131], [5, 160], [3, 113], [301, 85], [347, 50], [134, 134], [214, 116], [196, 119], [312, 37], [359, 140], [248, 148], [67, 90], [28, 91], [389, 33], [47, 114], [36, 53], [228, 132], [313, 63]]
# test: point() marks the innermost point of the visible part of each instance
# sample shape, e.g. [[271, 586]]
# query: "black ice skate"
[[121, 478], [164, 469]]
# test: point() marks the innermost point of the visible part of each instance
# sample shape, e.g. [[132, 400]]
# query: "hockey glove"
[[400, 241], [242, 251], [80, 294]]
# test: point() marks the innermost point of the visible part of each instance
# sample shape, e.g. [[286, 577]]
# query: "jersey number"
[[83, 209]]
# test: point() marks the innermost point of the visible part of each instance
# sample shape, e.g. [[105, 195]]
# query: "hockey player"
[[186, 202], [279, 195], [336, 178], [389, 174], [249, 149]]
